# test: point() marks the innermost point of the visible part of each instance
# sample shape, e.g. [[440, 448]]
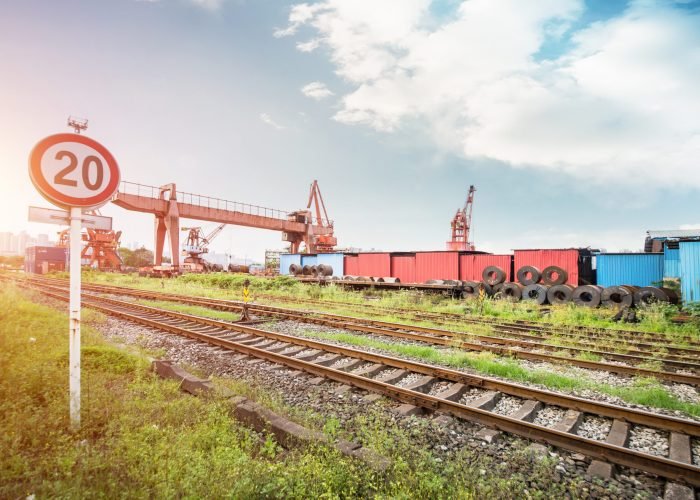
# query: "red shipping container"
[[374, 264], [351, 265], [566, 258], [437, 266], [471, 266], [403, 267]]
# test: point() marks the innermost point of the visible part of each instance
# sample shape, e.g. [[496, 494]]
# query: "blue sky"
[[578, 124]]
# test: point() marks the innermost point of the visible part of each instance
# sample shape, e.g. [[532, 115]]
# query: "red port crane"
[[197, 244], [101, 246], [461, 225]]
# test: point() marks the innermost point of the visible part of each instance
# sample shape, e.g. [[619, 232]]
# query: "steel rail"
[[354, 324], [521, 325], [515, 327], [664, 467], [674, 353], [519, 328]]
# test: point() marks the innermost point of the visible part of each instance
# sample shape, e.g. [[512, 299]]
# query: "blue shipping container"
[[335, 260], [286, 260], [308, 260], [672, 263], [638, 269], [690, 271]]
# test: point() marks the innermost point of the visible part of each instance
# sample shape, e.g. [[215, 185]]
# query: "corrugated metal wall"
[[672, 263], [437, 265], [335, 260], [638, 269], [286, 260], [566, 258], [403, 267], [374, 264], [471, 266], [690, 270], [308, 260], [351, 265]]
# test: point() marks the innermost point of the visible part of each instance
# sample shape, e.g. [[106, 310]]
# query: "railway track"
[[439, 389], [675, 368], [457, 319]]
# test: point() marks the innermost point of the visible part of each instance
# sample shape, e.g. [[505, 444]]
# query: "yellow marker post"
[[246, 298]]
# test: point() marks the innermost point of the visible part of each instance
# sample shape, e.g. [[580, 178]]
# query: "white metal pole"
[[76, 215]]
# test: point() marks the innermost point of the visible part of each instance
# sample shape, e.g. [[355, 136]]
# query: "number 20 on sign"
[[74, 172]]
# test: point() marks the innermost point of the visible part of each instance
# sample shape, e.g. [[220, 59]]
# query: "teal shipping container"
[[335, 260], [690, 271], [308, 260], [638, 269], [672, 263], [286, 260]]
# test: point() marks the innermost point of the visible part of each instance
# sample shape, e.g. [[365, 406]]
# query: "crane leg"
[[160, 230]]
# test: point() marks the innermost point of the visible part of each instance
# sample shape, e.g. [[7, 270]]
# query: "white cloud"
[[267, 119], [621, 105], [316, 90], [299, 15], [309, 46], [208, 4], [690, 226]]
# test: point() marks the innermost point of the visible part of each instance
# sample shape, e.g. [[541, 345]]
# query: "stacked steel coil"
[[549, 287]]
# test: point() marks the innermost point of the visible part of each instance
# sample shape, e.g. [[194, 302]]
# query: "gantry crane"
[[461, 225], [169, 205]]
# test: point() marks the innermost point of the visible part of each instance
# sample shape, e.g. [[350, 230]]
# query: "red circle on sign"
[[61, 199]]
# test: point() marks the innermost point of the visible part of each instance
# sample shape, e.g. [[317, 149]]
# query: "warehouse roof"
[[674, 233]]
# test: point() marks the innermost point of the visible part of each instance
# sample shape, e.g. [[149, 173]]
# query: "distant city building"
[[5, 243], [16, 244]]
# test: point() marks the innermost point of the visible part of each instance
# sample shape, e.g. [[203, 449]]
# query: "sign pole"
[[74, 173], [76, 214]]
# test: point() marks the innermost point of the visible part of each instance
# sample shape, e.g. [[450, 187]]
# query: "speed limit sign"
[[72, 170], [75, 173]]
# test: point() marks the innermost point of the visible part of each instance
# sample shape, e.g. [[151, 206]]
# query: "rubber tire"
[[562, 276], [294, 269], [587, 296], [536, 293], [496, 289], [560, 294], [535, 275], [617, 296], [493, 275], [512, 292]]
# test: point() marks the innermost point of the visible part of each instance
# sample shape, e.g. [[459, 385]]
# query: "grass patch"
[[142, 437]]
